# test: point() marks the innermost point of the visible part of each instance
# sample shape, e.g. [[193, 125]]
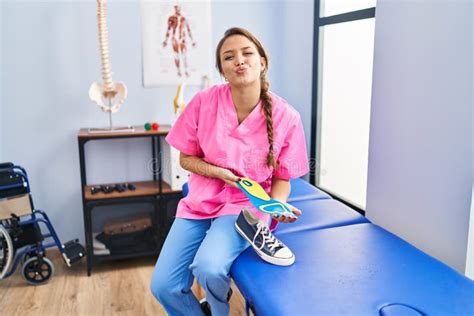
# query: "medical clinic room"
[[226, 157]]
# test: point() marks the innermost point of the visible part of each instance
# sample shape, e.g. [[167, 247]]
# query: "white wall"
[[470, 244], [419, 180], [295, 59], [296, 81], [50, 56]]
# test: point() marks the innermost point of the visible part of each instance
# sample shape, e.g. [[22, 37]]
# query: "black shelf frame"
[[157, 200]]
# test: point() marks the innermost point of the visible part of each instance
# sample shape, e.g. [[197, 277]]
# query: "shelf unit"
[[156, 191]]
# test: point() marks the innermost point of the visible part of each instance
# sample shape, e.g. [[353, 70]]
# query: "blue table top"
[[353, 270]]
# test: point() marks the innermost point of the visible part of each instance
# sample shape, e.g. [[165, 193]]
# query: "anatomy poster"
[[176, 41]]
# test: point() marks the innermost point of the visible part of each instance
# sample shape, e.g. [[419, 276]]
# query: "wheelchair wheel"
[[37, 273], [6, 251], [31, 254]]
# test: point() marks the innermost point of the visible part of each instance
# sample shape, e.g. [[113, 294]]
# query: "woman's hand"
[[285, 219], [228, 177]]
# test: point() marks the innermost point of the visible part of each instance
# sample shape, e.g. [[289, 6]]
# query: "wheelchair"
[[22, 240]]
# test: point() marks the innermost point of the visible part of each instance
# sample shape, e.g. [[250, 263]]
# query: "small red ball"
[[155, 126]]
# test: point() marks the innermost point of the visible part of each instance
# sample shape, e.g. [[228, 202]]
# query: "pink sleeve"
[[183, 134], [293, 158]]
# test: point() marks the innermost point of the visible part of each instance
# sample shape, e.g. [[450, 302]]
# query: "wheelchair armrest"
[[6, 165]]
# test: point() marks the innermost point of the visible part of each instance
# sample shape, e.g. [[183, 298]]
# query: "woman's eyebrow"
[[232, 50]]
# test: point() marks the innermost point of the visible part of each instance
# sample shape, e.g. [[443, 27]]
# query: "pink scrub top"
[[208, 128]]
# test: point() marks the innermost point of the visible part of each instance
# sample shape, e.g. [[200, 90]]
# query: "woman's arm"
[[280, 191], [197, 165]]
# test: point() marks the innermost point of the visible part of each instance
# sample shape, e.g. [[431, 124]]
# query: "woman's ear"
[[263, 64]]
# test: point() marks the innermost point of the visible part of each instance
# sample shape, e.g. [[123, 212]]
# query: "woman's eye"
[[248, 53], [228, 58]]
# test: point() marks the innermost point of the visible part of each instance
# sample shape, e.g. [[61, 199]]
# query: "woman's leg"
[[172, 279], [213, 260]]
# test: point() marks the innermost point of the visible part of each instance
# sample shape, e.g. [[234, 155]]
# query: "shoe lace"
[[267, 236]]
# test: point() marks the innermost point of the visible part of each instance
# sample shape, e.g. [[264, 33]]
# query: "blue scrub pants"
[[204, 249]]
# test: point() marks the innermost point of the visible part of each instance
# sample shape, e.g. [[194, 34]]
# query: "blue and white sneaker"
[[267, 246], [206, 307]]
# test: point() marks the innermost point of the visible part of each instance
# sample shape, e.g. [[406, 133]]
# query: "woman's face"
[[241, 63]]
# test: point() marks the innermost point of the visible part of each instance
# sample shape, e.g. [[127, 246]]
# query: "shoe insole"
[[261, 200]]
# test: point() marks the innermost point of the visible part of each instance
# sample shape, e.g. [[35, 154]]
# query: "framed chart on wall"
[[176, 42]]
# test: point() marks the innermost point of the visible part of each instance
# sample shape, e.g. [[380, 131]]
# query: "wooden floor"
[[116, 287]]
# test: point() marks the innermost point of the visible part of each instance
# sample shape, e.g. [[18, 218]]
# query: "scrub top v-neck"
[[230, 112]]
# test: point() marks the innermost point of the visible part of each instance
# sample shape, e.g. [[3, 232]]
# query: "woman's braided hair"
[[264, 85]]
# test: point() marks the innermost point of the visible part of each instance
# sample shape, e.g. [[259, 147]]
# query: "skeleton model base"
[[118, 129], [97, 94]]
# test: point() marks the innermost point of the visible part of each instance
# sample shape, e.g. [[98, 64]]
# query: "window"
[[333, 7], [341, 99]]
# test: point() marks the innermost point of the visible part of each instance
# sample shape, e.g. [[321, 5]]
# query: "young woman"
[[237, 129]]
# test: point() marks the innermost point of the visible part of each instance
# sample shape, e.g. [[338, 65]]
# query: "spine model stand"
[[109, 95]]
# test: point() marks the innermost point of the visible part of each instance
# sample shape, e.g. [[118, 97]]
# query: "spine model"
[[104, 48], [108, 95]]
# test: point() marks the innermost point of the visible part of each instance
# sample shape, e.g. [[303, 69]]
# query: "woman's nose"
[[239, 61]]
